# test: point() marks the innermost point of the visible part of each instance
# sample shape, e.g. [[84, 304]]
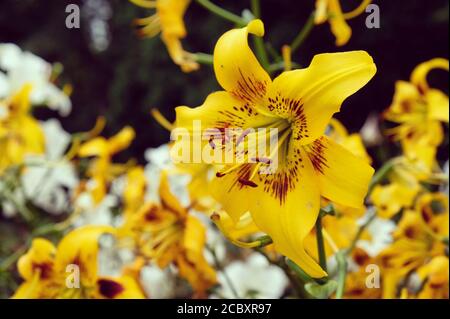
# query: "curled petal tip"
[[256, 27]]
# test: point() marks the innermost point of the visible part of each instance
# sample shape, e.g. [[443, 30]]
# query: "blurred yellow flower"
[[412, 249], [167, 233], [352, 142], [435, 275], [20, 133], [102, 169], [356, 281], [419, 110], [390, 199], [330, 10], [134, 191], [299, 104], [47, 271], [168, 20], [433, 207]]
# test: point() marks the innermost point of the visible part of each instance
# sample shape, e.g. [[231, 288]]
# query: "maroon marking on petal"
[[316, 154], [249, 89], [109, 288], [211, 143], [151, 215], [45, 269], [247, 182]]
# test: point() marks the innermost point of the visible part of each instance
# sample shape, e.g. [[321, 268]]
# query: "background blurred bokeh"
[[115, 73]]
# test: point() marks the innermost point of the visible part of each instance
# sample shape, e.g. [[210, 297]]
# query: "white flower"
[[380, 231], [56, 139], [112, 259], [92, 214], [48, 180], [253, 278], [159, 160], [370, 132], [158, 283], [22, 68]]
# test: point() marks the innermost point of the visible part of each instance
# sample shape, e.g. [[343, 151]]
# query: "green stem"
[[225, 274], [278, 66], [341, 258], [273, 53], [297, 277], [227, 15], [304, 277], [258, 41], [358, 235], [7, 262], [320, 244], [303, 34], [204, 58], [379, 176], [342, 273]]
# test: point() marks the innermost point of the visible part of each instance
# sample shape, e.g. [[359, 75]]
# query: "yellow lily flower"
[[356, 287], [413, 247], [410, 172], [168, 20], [390, 199], [102, 171], [419, 110], [434, 209], [435, 275], [134, 192], [330, 10], [299, 104], [46, 269], [355, 284], [20, 133], [168, 233]]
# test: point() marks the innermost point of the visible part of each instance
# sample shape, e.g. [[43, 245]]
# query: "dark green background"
[[134, 75]]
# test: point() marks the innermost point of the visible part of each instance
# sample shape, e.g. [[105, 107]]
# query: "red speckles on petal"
[[249, 89], [291, 109], [316, 154]]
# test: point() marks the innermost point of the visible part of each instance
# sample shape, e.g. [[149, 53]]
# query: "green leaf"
[[321, 291]]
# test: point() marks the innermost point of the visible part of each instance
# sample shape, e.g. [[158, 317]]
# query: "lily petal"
[[343, 177], [419, 75], [40, 258], [314, 94], [339, 26], [95, 147], [236, 67], [284, 205], [438, 105], [80, 247], [121, 140]]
